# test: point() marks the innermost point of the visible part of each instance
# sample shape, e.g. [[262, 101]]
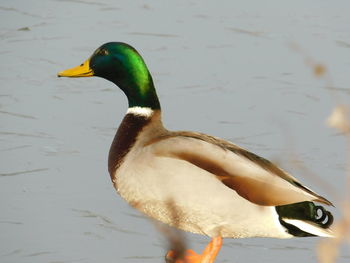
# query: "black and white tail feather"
[[306, 219]]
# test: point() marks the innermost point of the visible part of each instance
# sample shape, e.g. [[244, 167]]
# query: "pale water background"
[[221, 67]]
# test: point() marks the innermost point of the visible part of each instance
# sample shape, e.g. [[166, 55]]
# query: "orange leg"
[[208, 256]]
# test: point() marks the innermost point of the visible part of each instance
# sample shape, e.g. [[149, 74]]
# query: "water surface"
[[240, 70]]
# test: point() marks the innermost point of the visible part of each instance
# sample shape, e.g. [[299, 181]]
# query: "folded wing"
[[252, 177]]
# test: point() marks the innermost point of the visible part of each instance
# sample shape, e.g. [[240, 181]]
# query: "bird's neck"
[[143, 96], [138, 87]]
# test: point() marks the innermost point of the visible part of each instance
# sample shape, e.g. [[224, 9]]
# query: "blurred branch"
[[174, 237], [328, 249]]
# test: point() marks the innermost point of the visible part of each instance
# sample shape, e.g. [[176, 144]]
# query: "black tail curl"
[[323, 217]]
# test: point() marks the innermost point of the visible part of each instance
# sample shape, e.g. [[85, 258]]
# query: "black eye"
[[103, 52]]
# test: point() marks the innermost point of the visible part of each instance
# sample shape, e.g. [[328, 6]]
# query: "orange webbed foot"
[[208, 256]]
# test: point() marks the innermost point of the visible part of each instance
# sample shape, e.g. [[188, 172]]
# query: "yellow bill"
[[83, 70]]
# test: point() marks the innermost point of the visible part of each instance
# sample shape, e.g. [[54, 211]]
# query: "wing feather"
[[251, 176]]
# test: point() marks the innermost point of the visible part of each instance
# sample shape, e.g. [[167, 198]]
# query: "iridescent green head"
[[122, 64]]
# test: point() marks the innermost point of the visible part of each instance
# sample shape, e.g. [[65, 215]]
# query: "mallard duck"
[[193, 181]]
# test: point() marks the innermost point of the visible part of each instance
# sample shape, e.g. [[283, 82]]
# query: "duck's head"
[[123, 65]]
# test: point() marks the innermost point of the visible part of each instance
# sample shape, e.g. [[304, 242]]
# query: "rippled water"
[[241, 70]]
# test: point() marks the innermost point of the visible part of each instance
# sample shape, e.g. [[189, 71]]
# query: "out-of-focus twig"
[[319, 70], [175, 238], [328, 250]]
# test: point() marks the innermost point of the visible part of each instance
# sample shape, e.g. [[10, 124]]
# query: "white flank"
[[310, 227], [140, 111]]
